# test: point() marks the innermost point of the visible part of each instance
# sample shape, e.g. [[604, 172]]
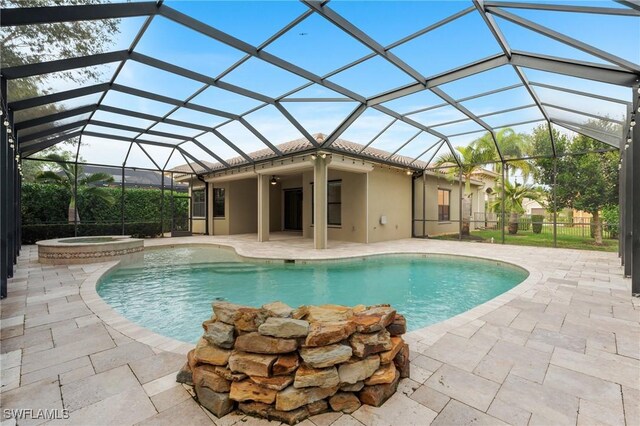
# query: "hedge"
[[44, 212]]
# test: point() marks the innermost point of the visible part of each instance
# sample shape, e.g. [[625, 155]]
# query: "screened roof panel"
[[176, 130], [315, 91], [198, 152], [371, 77], [273, 125], [225, 100], [242, 137], [125, 120], [28, 87], [63, 122], [155, 80], [161, 139], [136, 103], [215, 144], [111, 131], [512, 98], [103, 151], [523, 39], [388, 22], [264, 78], [138, 158], [196, 117], [449, 43], [312, 45], [394, 137], [482, 82], [225, 15], [320, 117], [581, 103], [159, 154], [367, 126], [204, 55], [174, 160], [513, 117], [445, 151], [441, 115], [432, 53], [419, 145], [579, 119], [19, 44], [414, 102], [601, 31], [465, 126]]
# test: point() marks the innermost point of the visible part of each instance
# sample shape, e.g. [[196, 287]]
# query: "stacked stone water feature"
[[286, 364]]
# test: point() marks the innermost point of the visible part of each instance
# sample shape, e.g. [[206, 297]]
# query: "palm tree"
[[514, 196], [67, 180], [471, 158], [512, 145]]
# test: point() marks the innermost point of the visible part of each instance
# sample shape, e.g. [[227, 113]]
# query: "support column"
[[4, 207], [634, 162], [320, 173], [263, 208]]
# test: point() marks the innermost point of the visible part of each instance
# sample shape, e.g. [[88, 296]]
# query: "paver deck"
[[563, 347]]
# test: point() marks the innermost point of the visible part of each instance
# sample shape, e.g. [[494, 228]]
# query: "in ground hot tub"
[[77, 250]]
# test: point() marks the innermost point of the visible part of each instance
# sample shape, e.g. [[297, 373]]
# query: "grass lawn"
[[528, 238]]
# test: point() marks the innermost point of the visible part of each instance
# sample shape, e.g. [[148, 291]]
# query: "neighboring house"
[[134, 178], [361, 200]]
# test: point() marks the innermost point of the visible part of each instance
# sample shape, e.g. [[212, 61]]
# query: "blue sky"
[[320, 47]]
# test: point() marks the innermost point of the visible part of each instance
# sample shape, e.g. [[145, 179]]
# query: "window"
[[197, 203], [218, 202], [444, 204], [334, 203]]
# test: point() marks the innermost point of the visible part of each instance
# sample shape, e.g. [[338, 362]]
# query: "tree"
[[480, 152], [471, 160], [585, 181], [28, 44], [512, 145], [67, 179], [514, 196]]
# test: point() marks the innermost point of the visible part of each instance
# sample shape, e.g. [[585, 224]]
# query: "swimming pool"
[[170, 291]]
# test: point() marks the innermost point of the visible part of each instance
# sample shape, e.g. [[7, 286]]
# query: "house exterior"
[[329, 195]]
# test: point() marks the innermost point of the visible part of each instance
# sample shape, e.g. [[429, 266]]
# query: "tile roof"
[[302, 144]]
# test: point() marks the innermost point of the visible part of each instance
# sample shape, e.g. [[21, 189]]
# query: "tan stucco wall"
[[242, 200], [353, 211], [389, 195], [433, 227]]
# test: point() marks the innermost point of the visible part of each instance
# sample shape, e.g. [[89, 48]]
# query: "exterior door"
[[293, 209]]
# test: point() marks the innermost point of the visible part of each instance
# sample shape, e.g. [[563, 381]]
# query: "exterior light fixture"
[[9, 130], [323, 155], [626, 145], [629, 139], [632, 122], [619, 166], [409, 172], [273, 180], [6, 123], [313, 157]]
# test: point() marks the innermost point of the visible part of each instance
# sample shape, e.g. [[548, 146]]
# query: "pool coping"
[[427, 335]]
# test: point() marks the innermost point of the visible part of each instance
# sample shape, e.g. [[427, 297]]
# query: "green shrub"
[[536, 223], [44, 212]]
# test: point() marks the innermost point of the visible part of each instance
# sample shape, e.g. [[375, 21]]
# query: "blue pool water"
[[170, 291]]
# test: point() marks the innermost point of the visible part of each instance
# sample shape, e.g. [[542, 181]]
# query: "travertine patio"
[[563, 347]]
